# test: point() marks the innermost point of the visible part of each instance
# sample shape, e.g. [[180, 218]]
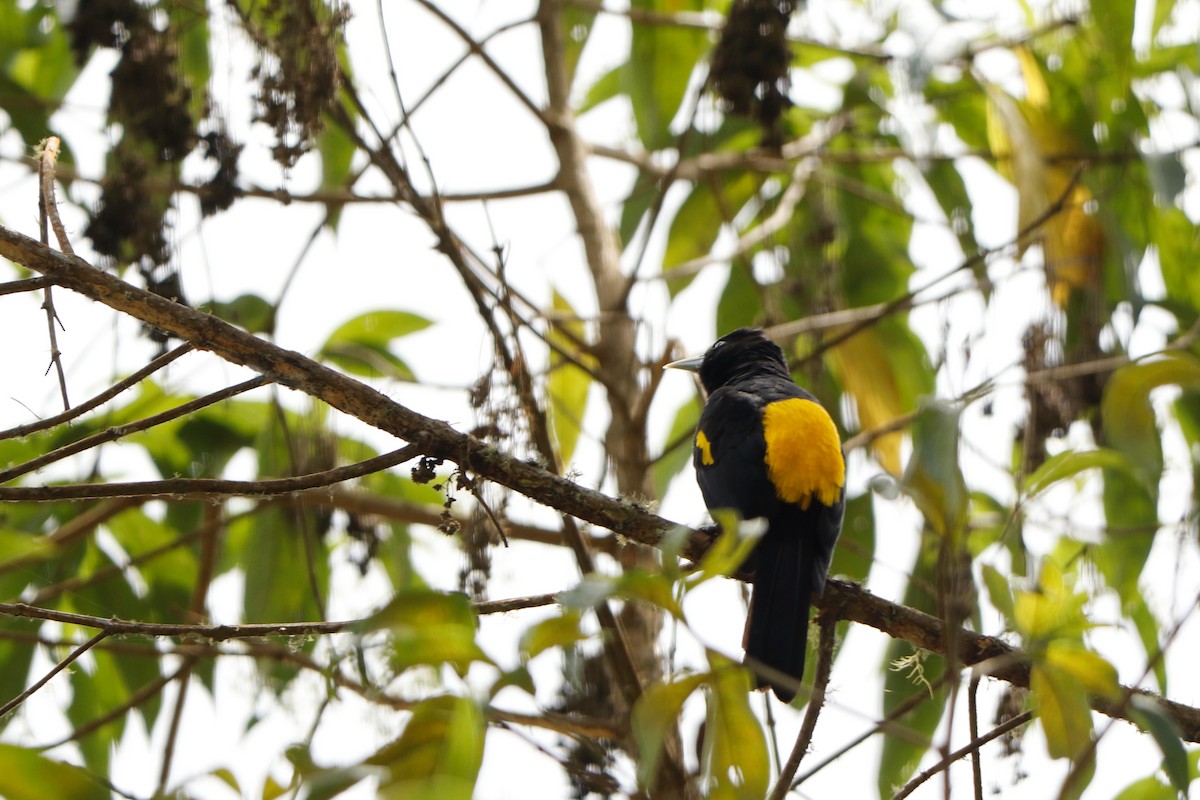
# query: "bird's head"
[[743, 353]]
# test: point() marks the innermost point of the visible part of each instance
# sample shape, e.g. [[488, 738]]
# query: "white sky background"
[[477, 138]]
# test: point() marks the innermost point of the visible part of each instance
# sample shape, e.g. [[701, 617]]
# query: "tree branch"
[[121, 431], [433, 437], [206, 488], [103, 397]]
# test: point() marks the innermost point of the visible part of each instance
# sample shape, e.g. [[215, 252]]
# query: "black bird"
[[767, 448]]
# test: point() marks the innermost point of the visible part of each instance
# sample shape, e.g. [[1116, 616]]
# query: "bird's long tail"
[[777, 629]]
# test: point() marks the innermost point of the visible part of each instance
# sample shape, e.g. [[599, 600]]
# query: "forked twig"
[[48, 211]]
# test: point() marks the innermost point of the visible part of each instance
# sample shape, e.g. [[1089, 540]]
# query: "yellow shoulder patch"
[[804, 454], [705, 448]]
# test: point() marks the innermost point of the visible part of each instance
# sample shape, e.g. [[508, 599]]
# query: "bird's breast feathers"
[[804, 453]]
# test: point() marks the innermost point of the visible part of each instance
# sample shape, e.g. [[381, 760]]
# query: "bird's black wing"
[[730, 454]]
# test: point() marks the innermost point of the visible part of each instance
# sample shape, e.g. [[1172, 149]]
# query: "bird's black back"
[[750, 389]]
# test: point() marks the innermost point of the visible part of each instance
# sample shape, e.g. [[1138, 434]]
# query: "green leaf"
[[1162, 13], [1069, 464], [248, 311], [634, 584], [1088, 669], [577, 28], [1131, 513], [1149, 788], [189, 28], [21, 547], [36, 71], [1144, 621], [429, 628], [1129, 419], [1167, 173], [1149, 716], [700, 219], [15, 658], [677, 447], [737, 539], [94, 694], [605, 88], [26, 111], [519, 678], [947, 185], [961, 104], [1176, 238], [560, 631], [933, 478], [654, 714], [855, 552], [438, 755], [874, 237], [326, 784], [228, 778], [999, 591], [173, 570], [659, 69], [269, 547], [992, 522], [26, 775], [735, 760], [1114, 23], [361, 345], [740, 304], [337, 153]]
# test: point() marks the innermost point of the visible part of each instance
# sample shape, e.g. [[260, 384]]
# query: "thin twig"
[[133, 701], [825, 644], [26, 285], [973, 747], [888, 723], [325, 196], [103, 397], [207, 488], [59, 667], [477, 49], [120, 431], [48, 213], [115, 626], [973, 725], [185, 679], [516, 603]]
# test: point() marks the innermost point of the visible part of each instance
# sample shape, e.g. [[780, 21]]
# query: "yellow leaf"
[[1037, 93], [1025, 137], [1063, 709], [1054, 611], [866, 373], [736, 766], [1095, 675], [567, 385]]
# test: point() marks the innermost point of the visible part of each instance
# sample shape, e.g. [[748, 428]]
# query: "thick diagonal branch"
[[433, 437]]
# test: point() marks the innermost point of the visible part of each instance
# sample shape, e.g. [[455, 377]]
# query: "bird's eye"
[[718, 343]]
